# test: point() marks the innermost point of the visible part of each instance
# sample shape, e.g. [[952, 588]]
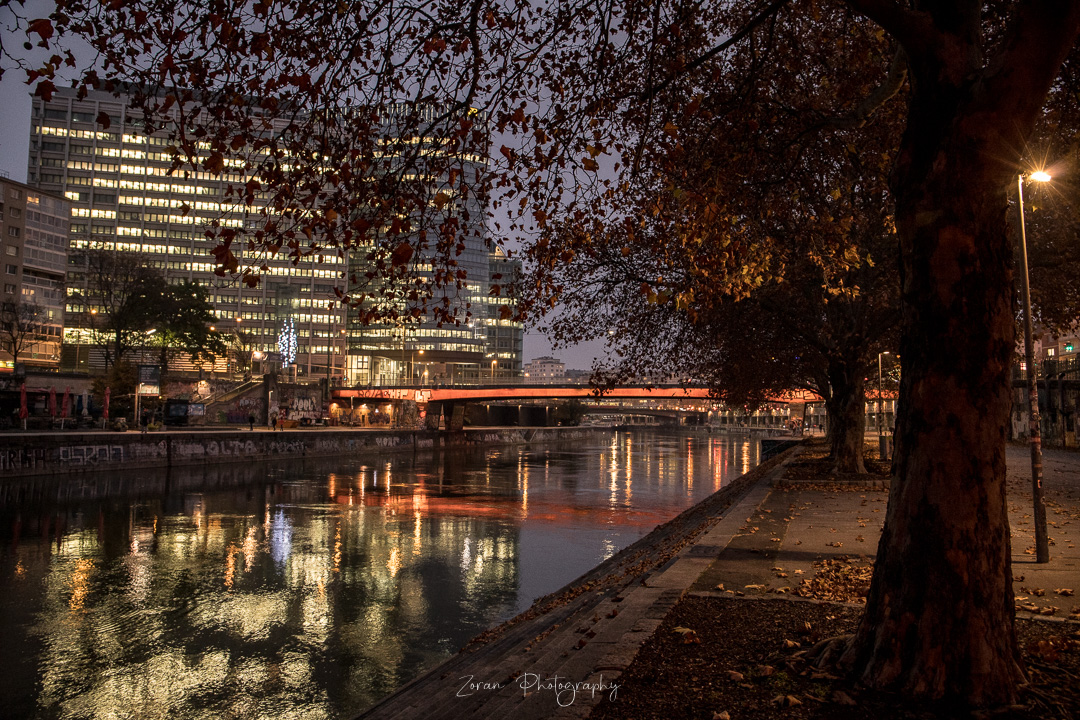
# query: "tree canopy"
[[23, 325], [125, 303], [351, 128]]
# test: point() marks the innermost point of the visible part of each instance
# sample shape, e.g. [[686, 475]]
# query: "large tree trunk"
[[939, 620], [846, 406]]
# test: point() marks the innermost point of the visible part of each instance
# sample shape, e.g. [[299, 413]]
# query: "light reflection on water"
[[310, 589]]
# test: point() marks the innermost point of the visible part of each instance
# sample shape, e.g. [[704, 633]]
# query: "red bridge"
[[491, 393]]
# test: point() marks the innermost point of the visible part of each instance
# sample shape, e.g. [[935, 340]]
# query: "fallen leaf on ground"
[[842, 698]]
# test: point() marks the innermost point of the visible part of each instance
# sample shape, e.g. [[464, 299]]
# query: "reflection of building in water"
[[243, 596], [311, 593]]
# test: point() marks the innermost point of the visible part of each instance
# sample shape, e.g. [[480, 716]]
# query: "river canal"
[[310, 589]]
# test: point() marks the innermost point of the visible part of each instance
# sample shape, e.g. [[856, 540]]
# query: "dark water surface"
[[310, 589]]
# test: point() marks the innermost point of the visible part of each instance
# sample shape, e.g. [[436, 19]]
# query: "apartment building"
[[34, 227], [545, 369]]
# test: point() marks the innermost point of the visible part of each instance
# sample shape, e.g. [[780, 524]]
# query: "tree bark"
[[847, 418], [939, 621], [939, 617]]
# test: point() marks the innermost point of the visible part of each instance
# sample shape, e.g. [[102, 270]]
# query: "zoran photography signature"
[[565, 691]]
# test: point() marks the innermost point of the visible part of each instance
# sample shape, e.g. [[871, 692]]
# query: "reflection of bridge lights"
[[250, 548], [230, 566], [80, 583], [337, 547], [417, 543], [689, 465]]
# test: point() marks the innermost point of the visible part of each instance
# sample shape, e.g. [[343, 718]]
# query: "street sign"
[[149, 374]]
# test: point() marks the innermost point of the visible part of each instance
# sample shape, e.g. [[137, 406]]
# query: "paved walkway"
[[562, 662]]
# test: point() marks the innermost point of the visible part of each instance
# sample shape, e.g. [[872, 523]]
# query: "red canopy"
[[52, 401], [65, 409], [23, 409], [105, 412]]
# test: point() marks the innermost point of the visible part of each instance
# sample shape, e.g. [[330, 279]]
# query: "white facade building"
[[545, 369]]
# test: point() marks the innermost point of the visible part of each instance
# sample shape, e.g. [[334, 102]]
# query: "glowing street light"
[[1042, 548]]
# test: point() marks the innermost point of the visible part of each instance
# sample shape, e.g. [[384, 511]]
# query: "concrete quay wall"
[[30, 454]]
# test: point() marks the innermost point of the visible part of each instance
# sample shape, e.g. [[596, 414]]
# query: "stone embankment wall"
[[23, 455]]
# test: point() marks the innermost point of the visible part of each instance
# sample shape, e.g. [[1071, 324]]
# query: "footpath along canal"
[[312, 588]]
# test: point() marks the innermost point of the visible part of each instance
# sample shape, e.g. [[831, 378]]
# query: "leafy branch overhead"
[[676, 172]]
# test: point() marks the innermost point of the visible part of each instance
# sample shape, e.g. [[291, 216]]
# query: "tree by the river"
[[939, 617]]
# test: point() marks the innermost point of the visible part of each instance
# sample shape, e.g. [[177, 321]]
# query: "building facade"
[[123, 199], [545, 369], [34, 227], [504, 333], [424, 349]]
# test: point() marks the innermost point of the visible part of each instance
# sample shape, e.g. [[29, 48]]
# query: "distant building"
[[1048, 347], [504, 335], [34, 228], [578, 376], [545, 369]]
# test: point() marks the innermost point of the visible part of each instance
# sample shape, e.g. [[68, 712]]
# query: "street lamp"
[[880, 408], [1042, 548], [412, 363]]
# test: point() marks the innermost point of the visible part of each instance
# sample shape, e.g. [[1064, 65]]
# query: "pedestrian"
[[251, 422], [144, 422], [273, 422]]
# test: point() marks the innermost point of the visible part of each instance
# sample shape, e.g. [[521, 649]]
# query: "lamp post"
[[1042, 548], [401, 325], [880, 407], [412, 363], [329, 349]]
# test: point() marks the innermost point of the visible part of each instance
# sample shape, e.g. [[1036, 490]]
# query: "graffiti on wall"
[[213, 448], [91, 454], [304, 403], [240, 409], [22, 458]]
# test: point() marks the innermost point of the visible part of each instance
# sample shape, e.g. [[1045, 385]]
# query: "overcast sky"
[[14, 151]]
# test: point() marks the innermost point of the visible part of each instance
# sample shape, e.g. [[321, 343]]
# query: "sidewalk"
[[776, 540], [797, 531]]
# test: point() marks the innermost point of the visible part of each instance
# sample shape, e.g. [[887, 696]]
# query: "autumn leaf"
[[43, 27], [689, 637], [590, 164], [215, 163], [45, 90], [401, 255]]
